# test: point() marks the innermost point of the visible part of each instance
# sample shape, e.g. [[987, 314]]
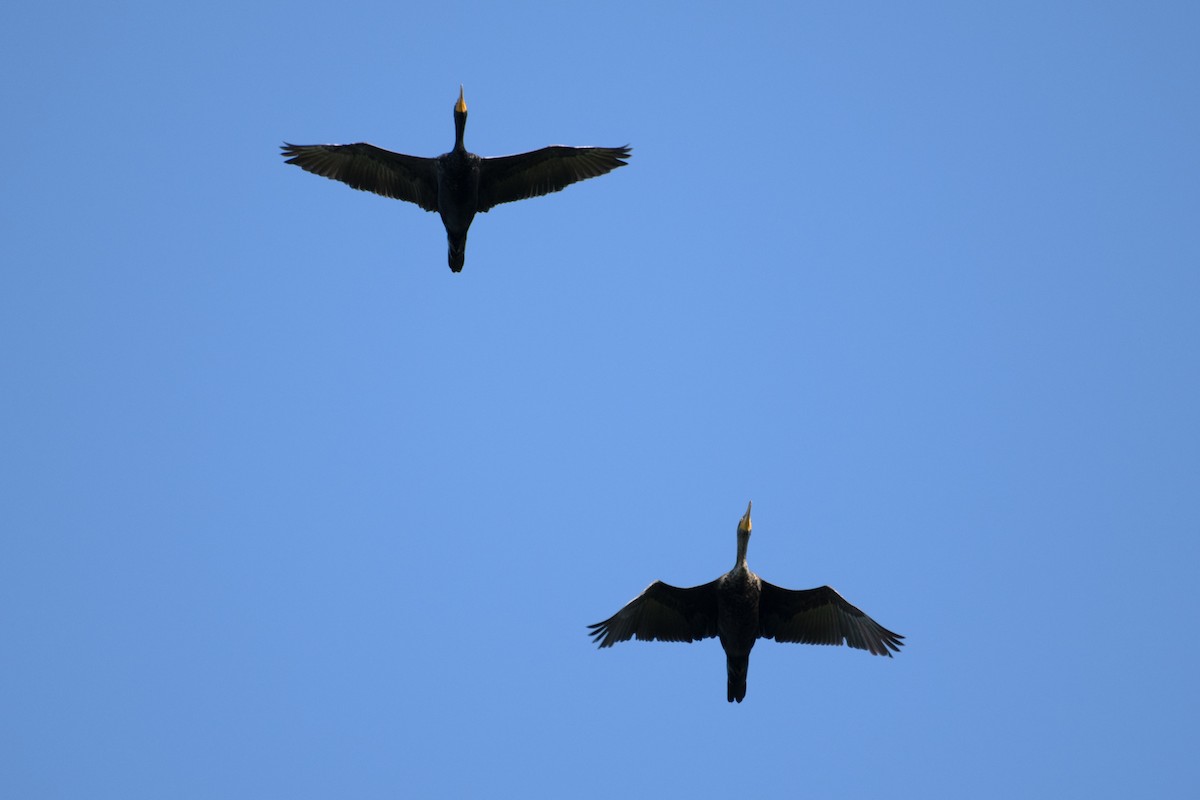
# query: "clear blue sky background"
[[290, 510]]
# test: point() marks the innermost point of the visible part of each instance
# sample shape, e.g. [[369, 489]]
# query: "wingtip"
[[599, 633]]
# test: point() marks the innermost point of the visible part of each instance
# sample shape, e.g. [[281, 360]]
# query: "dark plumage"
[[457, 184], [739, 607]]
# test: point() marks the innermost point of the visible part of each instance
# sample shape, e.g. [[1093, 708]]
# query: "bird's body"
[[458, 184], [739, 608], [458, 198], [739, 593]]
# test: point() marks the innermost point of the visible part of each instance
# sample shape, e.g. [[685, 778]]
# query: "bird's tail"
[[737, 667], [458, 252]]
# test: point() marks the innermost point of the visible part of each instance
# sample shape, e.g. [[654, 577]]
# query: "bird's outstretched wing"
[[507, 178], [664, 613], [370, 168], [821, 616]]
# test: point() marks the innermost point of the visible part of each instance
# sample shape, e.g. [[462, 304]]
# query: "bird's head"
[[461, 106], [744, 523]]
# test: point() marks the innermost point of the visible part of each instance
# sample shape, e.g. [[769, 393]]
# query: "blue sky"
[[290, 510]]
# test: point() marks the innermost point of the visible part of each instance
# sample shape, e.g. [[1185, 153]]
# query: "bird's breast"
[[737, 610], [458, 189]]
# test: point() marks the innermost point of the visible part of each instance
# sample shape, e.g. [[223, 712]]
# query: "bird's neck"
[[743, 545], [460, 128]]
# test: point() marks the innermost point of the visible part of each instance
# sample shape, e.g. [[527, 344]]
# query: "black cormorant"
[[457, 184], [740, 607]]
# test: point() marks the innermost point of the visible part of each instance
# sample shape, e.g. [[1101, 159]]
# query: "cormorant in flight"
[[457, 184], [740, 607]]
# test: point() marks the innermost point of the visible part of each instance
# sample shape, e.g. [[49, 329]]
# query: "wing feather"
[[371, 169], [821, 616], [505, 179], [662, 613]]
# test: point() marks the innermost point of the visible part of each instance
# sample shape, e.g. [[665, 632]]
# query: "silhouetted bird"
[[457, 184], [740, 607]]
